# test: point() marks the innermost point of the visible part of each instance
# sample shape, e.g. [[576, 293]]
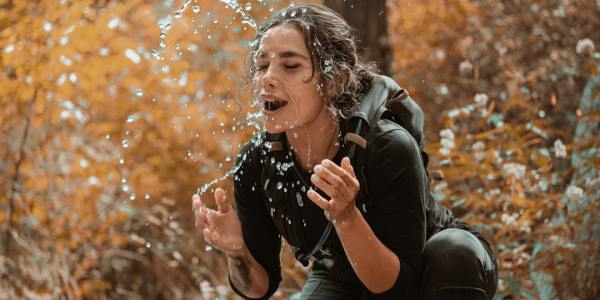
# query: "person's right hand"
[[221, 227]]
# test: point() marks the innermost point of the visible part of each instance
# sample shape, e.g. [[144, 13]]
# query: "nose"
[[269, 79]]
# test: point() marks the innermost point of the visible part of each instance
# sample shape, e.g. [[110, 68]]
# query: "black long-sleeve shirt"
[[270, 195]]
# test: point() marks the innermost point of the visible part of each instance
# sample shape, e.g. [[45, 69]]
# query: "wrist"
[[237, 254], [347, 217]]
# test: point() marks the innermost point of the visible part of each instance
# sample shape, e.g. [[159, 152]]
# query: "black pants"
[[456, 265]]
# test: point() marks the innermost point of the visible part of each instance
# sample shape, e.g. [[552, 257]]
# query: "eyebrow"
[[285, 54]]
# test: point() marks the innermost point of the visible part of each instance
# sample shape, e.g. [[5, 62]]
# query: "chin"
[[275, 128], [272, 128]]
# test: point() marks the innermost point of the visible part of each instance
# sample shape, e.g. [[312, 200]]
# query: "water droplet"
[[148, 245], [112, 24], [279, 185], [208, 248], [122, 161], [84, 163], [10, 48], [248, 6], [64, 40], [132, 197], [125, 143], [139, 92], [73, 77], [107, 136], [228, 158], [146, 196], [177, 14], [103, 51], [155, 54], [132, 55], [47, 26], [196, 9]]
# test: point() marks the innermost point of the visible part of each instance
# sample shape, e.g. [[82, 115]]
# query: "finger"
[[206, 232], [221, 199], [325, 186], [196, 203], [317, 199], [210, 215], [347, 166], [347, 177], [200, 219], [333, 179]]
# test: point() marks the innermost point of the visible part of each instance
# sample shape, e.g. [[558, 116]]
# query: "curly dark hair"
[[331, 43]]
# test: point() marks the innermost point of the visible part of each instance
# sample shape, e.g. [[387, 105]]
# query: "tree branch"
[[15, 178]]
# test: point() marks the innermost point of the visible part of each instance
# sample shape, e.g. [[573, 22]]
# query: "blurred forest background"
[[113, 113]]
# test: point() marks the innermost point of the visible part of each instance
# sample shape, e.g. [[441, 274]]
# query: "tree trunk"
[[369, 18]]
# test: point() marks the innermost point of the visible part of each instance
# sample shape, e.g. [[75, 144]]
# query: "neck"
[[312, 145]]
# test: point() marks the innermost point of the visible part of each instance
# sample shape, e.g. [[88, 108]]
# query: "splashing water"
[[206, 186], [246, 19]]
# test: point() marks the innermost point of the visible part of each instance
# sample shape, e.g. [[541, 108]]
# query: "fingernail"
[[318, 168], [325, 162], [314, 178]]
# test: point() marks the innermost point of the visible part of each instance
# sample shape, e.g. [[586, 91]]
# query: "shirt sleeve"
[[259, 232], [397, 190]]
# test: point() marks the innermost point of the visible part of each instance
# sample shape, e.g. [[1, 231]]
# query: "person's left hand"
[[340, 184]]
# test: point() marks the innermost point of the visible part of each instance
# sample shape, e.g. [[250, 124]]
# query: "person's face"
[[283, 68]]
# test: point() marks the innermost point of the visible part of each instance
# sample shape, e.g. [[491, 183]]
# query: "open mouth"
[[274, 105]]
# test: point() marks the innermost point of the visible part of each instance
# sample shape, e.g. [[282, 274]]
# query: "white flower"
[[465, 67], [447, 143], [207, 290], [481, 99], [443, 89], [574, 192], [478, 149], [447, 133], [560, 150], [510, 219], [514, 169], [585, 47], [479, 146], [444, 151]]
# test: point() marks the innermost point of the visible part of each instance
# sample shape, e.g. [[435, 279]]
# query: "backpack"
[[384, 100]]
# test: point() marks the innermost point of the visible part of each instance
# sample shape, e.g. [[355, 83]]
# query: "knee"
[[454, 253]]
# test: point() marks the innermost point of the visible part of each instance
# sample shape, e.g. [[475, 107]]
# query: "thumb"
[[221, 199]]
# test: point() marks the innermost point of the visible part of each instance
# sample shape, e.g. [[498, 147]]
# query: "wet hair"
[[344, 77]]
